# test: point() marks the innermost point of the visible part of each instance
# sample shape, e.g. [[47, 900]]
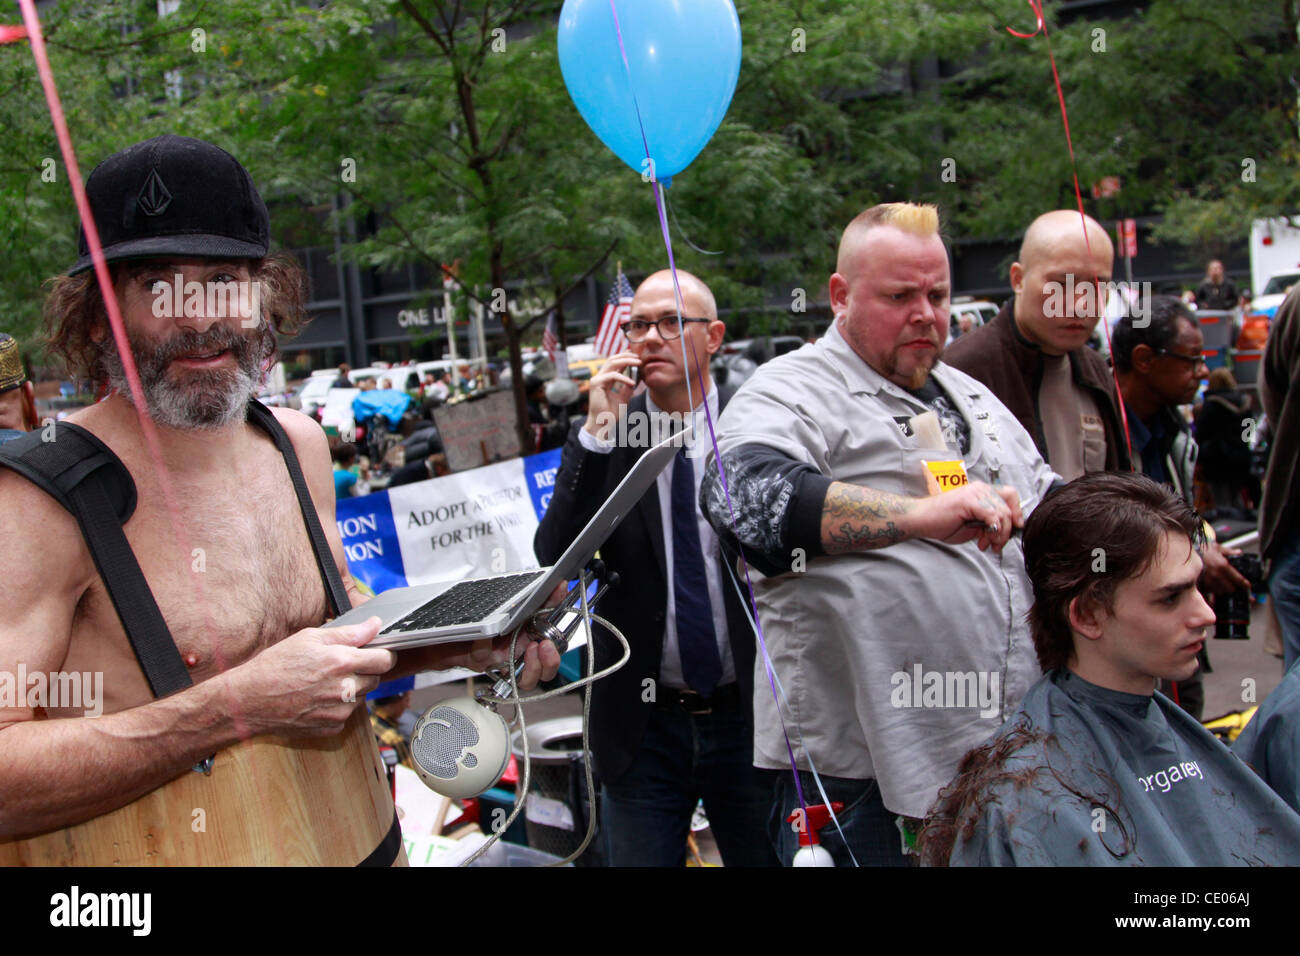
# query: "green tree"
[[466, 148], [444, 126]]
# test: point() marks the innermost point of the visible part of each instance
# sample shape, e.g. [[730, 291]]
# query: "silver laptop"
[[490, 606]]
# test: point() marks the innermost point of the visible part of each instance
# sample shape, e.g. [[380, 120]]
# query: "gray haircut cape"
[[1106, 778]]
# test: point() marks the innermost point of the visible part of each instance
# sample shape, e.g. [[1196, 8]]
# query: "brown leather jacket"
[[1012, 367]]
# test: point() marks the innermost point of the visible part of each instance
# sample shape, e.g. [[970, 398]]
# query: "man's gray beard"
[[208, 398]]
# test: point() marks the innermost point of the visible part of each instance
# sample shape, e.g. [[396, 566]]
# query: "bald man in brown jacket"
[[1033, 355]]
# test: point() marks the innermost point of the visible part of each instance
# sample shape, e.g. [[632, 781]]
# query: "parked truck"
[[1274, 262]]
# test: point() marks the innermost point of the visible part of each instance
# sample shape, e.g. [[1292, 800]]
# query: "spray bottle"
[[811, 852]]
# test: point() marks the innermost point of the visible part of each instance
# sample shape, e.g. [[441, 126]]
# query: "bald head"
[[1063, 228], [1061, 280], [663, 367], [697, 300]]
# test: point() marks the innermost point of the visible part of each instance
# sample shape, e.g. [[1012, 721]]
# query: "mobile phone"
[[634, 373]]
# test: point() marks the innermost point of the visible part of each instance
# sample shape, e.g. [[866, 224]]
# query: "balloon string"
[[1041, 27], [33, 25], [627, 67], [657, 189], [673, 212]]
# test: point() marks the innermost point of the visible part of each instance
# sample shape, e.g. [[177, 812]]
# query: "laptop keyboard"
[[464, 603]]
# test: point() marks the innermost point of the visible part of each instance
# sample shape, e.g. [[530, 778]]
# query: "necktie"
[[697, 641]]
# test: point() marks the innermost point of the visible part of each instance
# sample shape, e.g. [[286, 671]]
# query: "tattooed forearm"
[[855, 518], [851, 538]]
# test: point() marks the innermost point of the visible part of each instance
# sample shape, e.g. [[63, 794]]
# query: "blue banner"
[[370, 541], [539, 472]]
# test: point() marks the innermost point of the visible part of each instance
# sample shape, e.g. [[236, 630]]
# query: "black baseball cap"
[[174, 196]]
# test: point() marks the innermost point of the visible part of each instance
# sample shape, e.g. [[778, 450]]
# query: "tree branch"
[[427, 27]]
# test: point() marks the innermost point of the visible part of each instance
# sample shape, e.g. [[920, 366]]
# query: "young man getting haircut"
[[1096, 767]]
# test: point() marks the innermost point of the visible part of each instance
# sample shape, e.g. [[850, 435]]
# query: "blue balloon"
[[684, 59]]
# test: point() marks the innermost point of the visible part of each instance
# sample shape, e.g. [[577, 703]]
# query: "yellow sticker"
[[941, 476]]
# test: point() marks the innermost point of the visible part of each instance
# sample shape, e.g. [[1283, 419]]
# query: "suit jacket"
[[621, 703]]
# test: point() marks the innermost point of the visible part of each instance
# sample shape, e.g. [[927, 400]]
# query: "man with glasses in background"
[[1159, 362], [675, 725]]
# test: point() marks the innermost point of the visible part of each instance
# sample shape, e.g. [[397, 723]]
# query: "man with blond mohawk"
[[877, 490]]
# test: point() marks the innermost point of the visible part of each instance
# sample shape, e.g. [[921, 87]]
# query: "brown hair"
[[1221, 380], [344, 453], [999, 769], [1081, 541], [1087, 537], [74, 311]]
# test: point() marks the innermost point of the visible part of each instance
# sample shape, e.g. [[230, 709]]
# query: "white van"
[[979, 311], [311, 397]]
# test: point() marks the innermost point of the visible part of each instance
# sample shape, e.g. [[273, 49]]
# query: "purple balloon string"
[[618, 30], [656, 189]]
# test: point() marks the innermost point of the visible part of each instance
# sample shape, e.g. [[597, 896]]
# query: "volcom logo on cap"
[[154, 197]]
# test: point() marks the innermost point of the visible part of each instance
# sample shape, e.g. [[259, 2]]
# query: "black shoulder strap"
[[265, 419], [84, 476]]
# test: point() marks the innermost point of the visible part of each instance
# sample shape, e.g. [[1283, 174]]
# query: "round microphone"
[[460, 747]]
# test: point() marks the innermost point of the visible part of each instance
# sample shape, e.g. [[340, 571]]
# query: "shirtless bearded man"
[[245, 618]]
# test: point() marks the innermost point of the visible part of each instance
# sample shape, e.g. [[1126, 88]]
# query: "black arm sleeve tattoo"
[[778, 505]]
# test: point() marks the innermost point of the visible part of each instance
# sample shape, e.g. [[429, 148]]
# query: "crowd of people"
[[982, 587], [905, 620]]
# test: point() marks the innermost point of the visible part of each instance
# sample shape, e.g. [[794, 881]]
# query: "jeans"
[[646, 812], [1284, 591], [869, 828]]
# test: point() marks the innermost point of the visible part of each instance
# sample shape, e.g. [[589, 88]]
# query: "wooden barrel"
[[268, 801]]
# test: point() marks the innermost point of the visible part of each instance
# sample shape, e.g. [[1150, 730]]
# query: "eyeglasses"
[[1195, 361], [637, 329]]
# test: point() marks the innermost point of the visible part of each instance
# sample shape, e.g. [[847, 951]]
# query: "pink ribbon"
[[33, 32], [1037, 7]]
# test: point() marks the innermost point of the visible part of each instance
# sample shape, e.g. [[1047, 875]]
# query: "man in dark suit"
[[675, 724]]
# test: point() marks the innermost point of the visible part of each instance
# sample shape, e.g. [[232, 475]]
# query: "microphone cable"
[[521, 794]]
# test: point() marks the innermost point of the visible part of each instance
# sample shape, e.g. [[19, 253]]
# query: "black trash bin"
[[555, 810]]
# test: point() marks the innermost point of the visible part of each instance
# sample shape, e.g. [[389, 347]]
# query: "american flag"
[[609, 337], [550, 340]]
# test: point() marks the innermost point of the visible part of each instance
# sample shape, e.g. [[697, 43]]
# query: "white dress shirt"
[[670, 667]]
